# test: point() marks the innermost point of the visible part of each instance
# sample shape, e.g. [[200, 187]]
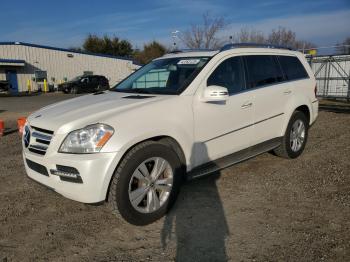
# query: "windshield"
[[163, 76]]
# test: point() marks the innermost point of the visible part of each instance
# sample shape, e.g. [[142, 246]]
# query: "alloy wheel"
[[150, 185], [297, 135]]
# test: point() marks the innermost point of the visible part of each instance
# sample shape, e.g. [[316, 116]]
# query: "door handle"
[[287, 92], [246, 105]]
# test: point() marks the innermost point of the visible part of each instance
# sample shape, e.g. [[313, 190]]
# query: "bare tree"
[[302, 45], [249, 36], [286, 37], [204, 35], [281, 36], [344, 47]]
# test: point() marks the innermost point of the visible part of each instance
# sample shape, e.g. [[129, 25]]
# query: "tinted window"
[[85, 80], [292, 67], [94, 79], [263, 70], [228, 74]]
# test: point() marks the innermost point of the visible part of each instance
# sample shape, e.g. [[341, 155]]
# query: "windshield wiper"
[[141, 90], [148, 90]]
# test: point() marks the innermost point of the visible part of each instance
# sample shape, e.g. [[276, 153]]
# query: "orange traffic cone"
[[20, 124]]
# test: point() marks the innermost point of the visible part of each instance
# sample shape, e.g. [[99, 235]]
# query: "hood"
[[67, 83], [78, 112]]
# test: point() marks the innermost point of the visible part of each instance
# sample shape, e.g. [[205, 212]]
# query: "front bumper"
[[63, 88], [95, 170]]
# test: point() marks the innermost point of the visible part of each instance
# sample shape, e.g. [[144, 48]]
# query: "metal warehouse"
[[26, 66]]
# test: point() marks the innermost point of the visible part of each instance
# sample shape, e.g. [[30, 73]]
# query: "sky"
[[66, 23]]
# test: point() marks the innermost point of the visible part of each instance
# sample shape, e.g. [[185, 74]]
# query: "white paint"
[[204, 130]]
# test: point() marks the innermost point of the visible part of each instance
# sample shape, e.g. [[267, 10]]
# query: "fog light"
[[63, 174], [67, 173]]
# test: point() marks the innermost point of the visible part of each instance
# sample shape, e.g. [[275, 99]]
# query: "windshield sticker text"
[[189, 62]]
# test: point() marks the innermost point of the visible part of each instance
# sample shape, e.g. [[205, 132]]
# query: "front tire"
[[295, 138], [146, 183], [74, 90]]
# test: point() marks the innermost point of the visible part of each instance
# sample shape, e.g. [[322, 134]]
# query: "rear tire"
[[120, 198], [295, 138]]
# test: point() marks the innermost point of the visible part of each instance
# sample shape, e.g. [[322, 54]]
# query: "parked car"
[[85, 84], [182, 116]]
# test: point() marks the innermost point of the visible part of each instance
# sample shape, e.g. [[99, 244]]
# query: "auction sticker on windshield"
[[188, 62]]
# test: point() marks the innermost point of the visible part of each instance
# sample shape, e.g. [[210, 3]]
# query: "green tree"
[[150, 51], [107, 45]]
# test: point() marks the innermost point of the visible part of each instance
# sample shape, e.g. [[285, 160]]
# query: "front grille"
[[40, 140], [42, 130], [37, 167]]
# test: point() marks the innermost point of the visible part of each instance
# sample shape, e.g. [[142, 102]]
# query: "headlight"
[[89, 139]]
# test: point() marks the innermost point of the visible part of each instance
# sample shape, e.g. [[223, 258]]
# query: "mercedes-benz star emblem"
[[26, 137]]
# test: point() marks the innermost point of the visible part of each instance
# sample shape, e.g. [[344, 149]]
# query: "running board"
[[234, 158]]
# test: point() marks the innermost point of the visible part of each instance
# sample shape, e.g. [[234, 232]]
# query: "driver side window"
[[229, 74]]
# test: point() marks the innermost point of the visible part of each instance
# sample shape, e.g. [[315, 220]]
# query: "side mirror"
[[215, 94]]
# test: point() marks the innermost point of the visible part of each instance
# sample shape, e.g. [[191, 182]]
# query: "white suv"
[[184, 115]]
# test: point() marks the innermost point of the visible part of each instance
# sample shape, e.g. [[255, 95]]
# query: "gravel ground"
[[264, 209]]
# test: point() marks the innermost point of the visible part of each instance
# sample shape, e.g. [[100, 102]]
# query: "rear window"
[[263, 70], [292, 68]]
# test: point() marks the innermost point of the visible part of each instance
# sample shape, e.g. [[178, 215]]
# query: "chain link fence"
[[332, 75]]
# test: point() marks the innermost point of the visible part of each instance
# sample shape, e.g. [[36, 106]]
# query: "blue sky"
[[66, 23]]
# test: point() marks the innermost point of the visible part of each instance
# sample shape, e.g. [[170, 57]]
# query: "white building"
[[23, 63]]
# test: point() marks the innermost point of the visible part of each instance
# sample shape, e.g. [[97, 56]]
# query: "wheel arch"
[[304, 108], [164, 139]]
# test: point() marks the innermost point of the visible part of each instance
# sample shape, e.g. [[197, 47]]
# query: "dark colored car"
[[82, 84], [4, 86]]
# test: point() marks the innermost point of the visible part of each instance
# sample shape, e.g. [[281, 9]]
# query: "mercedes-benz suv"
[[184, 115]]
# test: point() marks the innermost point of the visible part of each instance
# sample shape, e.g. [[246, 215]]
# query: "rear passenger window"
[[292, 67], [229, 74], [263, 70]]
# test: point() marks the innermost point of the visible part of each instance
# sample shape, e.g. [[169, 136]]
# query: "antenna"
[[175, 37]]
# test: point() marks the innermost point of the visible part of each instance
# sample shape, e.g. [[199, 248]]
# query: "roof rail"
[[189, 50], [243, 45]]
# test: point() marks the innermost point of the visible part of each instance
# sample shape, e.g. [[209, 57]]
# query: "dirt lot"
[[265, 209]]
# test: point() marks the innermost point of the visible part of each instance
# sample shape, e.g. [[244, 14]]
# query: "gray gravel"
[[25, 104], [264, 209]]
